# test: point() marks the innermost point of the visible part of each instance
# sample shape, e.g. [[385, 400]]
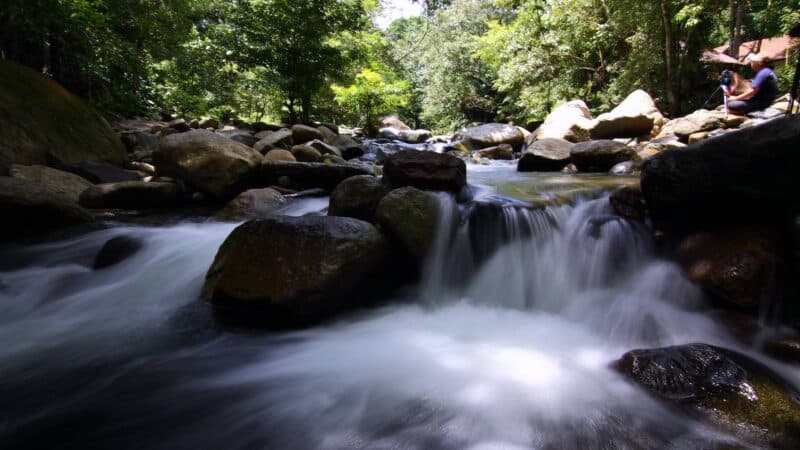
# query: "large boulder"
[[293, 270], [392, 121], [738, 265], [64, 183], [600, 155], [42, 123], [570, 121], [634, 117], [357, 197], [298, 175], [209, 162], [252, 204], [29, 208], [490, 135], [348, 147], [719, 178], [546, 155], [303, 133], [410, 216], [275, 139], [425, 170], [729, 390], [134, 195]]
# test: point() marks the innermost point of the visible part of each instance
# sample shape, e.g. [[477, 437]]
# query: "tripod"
[[725, 93]]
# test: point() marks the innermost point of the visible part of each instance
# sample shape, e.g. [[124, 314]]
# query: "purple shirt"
[[762, 76], [767, 84]]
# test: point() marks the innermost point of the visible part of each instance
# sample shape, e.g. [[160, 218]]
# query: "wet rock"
[[713, 179], [736, 265], [116, 250], [625, 168], [252, 204], [294, 270], [410, 215], [41, 123], [276, 139], [29, 208], [425, 170], [357, 197], [600, 156], [545, 155], [627, 201], [179, 125], [306, 153], [303, 133], [298, 175], [100, 172], [500, 152], [634, 117], [324, 148], [415, 136], [786, 348], [279, 155], [134, 195], [59, 181], [490, 135], [570, 121], [733, 392], [208, 162], [348, 147]]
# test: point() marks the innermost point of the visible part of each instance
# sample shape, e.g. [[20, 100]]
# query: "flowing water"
[[505, 344]]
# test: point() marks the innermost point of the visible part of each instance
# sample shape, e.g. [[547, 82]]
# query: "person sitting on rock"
[[762, 91]]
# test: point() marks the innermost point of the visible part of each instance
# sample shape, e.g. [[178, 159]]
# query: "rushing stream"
[[505, 344]]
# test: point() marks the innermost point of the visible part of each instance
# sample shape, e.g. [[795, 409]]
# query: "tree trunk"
[[735, 29], [672, 100], [306, 104], [292, 114]]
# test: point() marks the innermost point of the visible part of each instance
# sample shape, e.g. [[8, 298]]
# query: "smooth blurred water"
[[505, 344]]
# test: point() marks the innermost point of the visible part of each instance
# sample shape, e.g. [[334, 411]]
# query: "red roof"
[[775, 48]]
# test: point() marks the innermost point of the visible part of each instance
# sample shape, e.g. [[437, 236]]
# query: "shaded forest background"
[[463, 61]]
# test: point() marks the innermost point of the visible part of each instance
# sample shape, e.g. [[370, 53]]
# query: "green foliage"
[[371, 95]]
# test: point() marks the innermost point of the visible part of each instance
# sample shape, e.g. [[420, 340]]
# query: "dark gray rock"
[[600, 156], [718, 178], [546, 155], [134, 195], [425, 170], [309, 175], [287, 271], [357, 197], [116, 250], [490, 135]]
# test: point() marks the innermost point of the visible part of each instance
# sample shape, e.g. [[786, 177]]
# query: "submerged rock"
[[357, 197], [116, 250], [294, 270], [728, 389], [209, 162], [425, 170]]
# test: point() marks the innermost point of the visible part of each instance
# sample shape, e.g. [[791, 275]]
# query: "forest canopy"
[[463, 61]]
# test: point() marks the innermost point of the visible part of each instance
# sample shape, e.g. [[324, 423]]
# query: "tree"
[[292, 41], [371, 95]]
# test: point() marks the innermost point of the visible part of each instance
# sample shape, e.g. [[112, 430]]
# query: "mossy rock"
[[43, 123]]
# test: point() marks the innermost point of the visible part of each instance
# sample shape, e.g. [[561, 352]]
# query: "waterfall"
[[506, 344]]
